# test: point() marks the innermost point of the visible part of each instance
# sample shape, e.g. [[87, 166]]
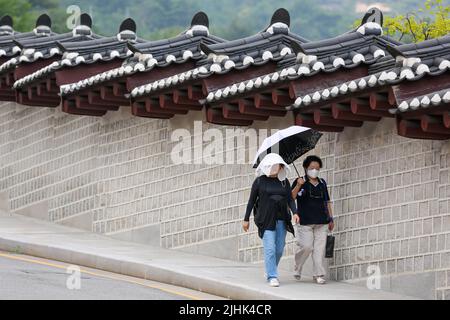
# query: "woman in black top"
[[312, 218], [271, 193]]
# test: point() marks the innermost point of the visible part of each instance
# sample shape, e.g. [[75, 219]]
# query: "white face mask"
[[313, 173]]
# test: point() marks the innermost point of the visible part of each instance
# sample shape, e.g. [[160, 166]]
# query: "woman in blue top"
[[313, 218]]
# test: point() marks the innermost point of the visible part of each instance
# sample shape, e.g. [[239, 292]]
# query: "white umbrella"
[[290, 143]]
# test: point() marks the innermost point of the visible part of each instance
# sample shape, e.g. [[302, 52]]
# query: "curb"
[[138, 269]]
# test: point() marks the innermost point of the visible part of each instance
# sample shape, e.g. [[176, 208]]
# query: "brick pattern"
[[391, 195]]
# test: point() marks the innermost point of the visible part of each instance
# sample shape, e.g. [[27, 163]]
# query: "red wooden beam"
[[166, 103], [138, 109], [412, 129], [119, 89], [247, 106], [107, 94], [281, 97], [52, 101], [379, 101], [181, 97], [68, 106], [51, 86], [82, 102], [446, 116], [231, 111], [307, 120], [264, 101], [433, 124], [22, 98], [341, 111], [361, 107], [215, 116], [94, 97], [195, 93], [41, 90], [324, 118]]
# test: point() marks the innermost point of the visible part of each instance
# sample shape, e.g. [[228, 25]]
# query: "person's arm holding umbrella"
[[251, 203], [298, 184], [293, 207]]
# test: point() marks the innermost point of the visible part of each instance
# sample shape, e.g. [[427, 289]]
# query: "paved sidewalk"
[[220, 277]]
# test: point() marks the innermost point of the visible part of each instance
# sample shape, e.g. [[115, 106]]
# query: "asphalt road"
[[25, 277]]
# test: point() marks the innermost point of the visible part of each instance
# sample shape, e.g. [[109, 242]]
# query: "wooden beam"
[[379, 101], [166, 103], [247, 106], [341, 111], [281, 97], [94, 98], [119, 89], [138, 109], [9, 78], [361, 107], [215, 116], [412, 129], [30, 98], [307, 120], [264, 101], [195, 93], [181, 97], [41, 91], [152, 107], [324, 118], [107, 93], [446, 116], [68, 106], [51, 86], [231, 111], [82, 102], [433, 124]]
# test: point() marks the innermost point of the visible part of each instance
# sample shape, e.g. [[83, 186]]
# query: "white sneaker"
[[320, 280], [274, 282]]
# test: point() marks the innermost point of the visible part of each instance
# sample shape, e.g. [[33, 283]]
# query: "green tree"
[[428, 22], [25, 13]]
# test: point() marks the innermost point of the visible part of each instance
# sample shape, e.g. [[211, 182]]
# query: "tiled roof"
[[36, 48], [364, 45], [425, 101], [8, 37], [89, 51], [410, 62], [161, 53], [359, 76], [271, 44]]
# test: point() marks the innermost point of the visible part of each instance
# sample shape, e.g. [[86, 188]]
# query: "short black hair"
[[310, 159]]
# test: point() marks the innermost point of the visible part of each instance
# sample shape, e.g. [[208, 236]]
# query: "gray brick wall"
[[114, 175]]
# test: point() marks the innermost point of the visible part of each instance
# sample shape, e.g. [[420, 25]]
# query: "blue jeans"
[[273, 242]]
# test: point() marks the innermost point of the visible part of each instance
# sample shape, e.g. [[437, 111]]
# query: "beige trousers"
[[311, 239]]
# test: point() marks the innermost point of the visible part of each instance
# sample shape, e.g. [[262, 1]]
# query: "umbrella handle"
[[296, 169]]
